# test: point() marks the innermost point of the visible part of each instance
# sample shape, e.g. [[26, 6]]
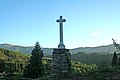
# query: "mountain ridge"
[[48, 51]]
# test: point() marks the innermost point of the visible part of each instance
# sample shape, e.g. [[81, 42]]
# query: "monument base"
[[61, 63]]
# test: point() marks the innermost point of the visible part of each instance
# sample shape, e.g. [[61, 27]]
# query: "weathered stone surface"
[[60, 62]]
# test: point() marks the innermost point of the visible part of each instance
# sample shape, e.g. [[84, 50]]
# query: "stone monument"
[[61, 56]]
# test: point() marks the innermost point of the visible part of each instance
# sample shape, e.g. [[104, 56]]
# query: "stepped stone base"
[[61, 58]]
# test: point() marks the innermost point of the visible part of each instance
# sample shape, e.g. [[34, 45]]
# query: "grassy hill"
[[6, 55]]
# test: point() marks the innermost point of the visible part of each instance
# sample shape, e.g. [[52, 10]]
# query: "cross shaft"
[[61, 45]]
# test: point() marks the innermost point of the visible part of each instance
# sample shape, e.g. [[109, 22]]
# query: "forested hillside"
[[92, 58], [6, 55]]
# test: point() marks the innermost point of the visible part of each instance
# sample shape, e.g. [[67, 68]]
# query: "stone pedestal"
[[61, 62]]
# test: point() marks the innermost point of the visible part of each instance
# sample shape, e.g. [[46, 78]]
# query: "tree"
[[2, 66], [9, 71], [119, 61], [114, 59], [35, 68], [69, 61]]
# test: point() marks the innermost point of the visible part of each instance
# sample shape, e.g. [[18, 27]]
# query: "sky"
[[89, 23]]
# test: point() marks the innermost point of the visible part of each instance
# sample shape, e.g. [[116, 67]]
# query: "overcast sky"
[[88, 23]]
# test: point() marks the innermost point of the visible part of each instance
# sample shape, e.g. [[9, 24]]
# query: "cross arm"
[[64, 20], [57, 20]]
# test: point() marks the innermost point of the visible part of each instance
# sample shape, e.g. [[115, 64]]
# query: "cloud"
[[96, 33]]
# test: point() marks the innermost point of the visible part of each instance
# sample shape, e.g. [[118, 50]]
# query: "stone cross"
[[61, 20]]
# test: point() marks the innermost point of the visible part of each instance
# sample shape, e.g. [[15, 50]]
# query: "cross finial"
[[61, 20], [60, 17]]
